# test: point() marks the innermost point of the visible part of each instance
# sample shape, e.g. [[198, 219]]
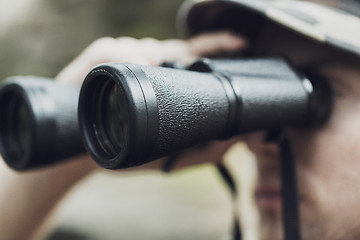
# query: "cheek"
[[335, 149], [329, 162], [254, 140]]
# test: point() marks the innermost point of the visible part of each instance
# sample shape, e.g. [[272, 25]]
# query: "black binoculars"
[[129, 114]]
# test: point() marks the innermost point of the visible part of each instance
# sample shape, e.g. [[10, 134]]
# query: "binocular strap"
[[168, 165], [226, 175], [289, 193]]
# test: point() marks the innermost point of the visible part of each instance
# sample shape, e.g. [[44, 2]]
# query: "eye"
[[338, 92], [344, 80], [339, 87], [322, 81]]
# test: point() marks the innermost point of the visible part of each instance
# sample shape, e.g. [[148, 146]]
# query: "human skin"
[[27, 198], [327, 164]]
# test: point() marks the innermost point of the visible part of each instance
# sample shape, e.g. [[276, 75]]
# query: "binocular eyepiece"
[[130, 114]]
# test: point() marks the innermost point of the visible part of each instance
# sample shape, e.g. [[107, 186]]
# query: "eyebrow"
[[346, 80]]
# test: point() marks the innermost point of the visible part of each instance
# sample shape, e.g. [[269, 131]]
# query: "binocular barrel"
[[131, 114], [38, 122]]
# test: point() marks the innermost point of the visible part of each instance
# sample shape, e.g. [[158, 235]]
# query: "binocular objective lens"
[[22, 126], [112, 121], [16, 128], [117, 117]]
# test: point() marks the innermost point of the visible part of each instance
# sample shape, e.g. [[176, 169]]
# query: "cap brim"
[[316, 22]]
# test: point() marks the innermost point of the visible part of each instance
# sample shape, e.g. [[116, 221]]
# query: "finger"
[[204, 45], [149, 52], [216, 43], [210, 153], [100, 51]]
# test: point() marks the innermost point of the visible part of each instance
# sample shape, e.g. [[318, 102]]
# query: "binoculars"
[[126, 114]]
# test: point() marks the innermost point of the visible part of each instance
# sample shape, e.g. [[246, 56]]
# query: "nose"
[[263, 143]]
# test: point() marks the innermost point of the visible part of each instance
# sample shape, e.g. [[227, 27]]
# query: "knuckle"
[[101, 45], [150, 40], [104, 41], [125, 40]]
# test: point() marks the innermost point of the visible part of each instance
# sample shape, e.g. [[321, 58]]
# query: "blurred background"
[[39, 37]]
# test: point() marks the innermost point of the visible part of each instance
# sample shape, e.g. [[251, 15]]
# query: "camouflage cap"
[[329, 22]]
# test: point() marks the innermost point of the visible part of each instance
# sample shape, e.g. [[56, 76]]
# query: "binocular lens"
[[111, 118], [16, 128]]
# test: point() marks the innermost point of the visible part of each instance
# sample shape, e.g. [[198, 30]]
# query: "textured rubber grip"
[[170, 110], [193, 108]]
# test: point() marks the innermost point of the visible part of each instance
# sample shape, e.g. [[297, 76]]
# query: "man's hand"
[[149, 51], [27, 198]]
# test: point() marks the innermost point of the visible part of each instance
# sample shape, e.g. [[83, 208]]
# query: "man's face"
[[328, 166]]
